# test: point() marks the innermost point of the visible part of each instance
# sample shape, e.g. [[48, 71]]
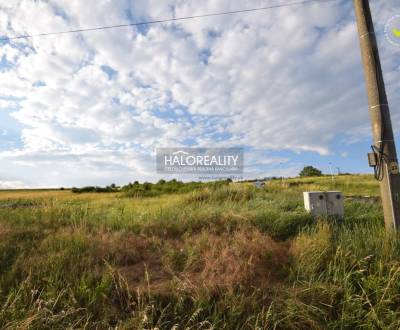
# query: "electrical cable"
[[297, 3], [380, 158]]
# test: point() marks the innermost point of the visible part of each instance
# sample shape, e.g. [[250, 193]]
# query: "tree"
[[310, 171], [147, 186]]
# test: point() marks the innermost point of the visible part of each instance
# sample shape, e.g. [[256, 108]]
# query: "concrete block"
[[321, 203]]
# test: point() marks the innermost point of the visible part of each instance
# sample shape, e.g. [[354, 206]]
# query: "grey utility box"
[[320, 203]]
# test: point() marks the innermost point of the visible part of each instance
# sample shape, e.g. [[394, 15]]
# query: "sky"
[[91, 108]]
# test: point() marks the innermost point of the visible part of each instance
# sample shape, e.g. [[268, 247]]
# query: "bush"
[[163, 187], [310, 171], [89, 189]]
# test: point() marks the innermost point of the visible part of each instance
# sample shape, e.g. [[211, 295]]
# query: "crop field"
[[218, 257]]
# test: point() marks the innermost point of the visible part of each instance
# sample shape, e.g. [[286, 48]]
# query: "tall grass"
[[228, 257]]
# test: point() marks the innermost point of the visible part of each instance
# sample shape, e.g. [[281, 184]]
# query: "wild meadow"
[[218, 257]]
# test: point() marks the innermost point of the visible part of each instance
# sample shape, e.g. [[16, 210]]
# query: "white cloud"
[[288, 78], [11, 184]]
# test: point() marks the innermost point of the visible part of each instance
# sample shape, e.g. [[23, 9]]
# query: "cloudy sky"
[[91, 108]]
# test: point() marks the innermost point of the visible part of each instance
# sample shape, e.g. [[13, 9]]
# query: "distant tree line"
[[88, 189], [148, 189], [162, 187]]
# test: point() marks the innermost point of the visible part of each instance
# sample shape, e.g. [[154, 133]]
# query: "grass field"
[[233, 257]]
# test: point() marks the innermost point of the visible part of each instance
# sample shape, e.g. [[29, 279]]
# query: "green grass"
[[228, 257]]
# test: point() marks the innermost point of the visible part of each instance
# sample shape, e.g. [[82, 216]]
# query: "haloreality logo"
[[392, 30], [200, 160]]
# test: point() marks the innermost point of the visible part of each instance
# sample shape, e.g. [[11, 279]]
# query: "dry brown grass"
[[137, 259], [244, 258], [4, 230], [207, 261], [33, 194]]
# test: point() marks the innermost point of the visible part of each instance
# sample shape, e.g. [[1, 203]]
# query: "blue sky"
[[91, 108]]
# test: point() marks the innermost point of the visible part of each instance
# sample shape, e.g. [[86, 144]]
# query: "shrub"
[[163, 187], [90, 189], [310, 171]]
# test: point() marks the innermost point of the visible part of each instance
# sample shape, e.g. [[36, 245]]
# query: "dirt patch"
[[138, 259], [147, 276], [245, 258], [4, 230]]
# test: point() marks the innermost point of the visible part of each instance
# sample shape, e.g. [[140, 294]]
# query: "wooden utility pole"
[[383, 158]]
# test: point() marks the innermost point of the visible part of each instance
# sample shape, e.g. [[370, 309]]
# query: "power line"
[[297, 3]]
